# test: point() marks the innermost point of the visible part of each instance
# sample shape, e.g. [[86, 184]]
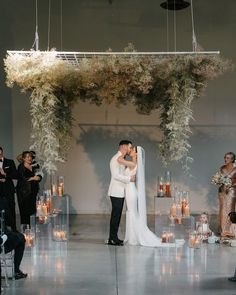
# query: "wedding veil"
[[142, 209]]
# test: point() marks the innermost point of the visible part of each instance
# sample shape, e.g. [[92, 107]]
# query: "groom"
[[117, 190]]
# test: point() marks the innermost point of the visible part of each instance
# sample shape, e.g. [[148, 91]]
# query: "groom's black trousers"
[[117, 206]]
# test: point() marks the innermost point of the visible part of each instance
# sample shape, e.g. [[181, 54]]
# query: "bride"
[[137, 231]]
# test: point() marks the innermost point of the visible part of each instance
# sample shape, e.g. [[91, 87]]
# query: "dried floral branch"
[[169, 84]]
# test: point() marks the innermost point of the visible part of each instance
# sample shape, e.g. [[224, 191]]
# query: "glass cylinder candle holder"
[[59, 233], [54, 188], [173, 209], [41, 212], [44, 209], [168, 184], [29, 237], [171, 237], [186, 211], [187, 197], [178, 218], [60, 225], [172, 221], [194, 240], [56, 233], [61, 186], [33, 223], [48, 203], [160, 186], [175, 194], [64, 232], [179, 197], [38, 208], [185, 204], [178, 210]]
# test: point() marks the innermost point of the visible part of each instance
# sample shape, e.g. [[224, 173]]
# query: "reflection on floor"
[[86, 266]]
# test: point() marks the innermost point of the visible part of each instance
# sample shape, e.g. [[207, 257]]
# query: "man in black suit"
[[8, 172], [15, 240]]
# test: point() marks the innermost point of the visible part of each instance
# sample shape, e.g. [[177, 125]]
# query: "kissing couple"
[[128, 183]]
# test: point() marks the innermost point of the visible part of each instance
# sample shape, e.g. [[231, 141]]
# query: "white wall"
[[97, 25]]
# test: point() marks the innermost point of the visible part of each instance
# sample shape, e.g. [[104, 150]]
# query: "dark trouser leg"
[[24, 211], [16, 242], [12, 211], [117, 206], [19, 252]]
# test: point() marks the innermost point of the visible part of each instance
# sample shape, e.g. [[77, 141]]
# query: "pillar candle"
[[173, 210]]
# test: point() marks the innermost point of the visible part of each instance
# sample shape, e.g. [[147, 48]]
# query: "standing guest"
[[7, 189], [227, 193], [27, 188], [34, 164]]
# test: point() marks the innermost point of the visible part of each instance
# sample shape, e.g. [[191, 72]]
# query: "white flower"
[[220, 179]]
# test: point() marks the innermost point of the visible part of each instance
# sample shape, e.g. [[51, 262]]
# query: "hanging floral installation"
[[166, 83]]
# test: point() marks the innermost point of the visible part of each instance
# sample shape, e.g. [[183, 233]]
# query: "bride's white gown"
[[137, 231]]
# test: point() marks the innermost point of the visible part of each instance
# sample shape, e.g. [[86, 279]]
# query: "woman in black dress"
[[27, 188]]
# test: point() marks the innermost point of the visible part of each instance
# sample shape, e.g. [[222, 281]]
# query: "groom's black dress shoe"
[[232, 279], [20, 275], [114, 243], [121, 241]]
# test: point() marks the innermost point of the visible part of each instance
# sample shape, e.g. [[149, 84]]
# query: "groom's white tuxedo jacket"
[[118, 178]]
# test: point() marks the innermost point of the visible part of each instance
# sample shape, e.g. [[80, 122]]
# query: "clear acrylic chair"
[[7, 259]]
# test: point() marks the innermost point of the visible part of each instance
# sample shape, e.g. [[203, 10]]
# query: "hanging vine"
[[168, 84]]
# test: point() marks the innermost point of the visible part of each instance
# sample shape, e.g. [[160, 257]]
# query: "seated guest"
[[202, 226], [27, 188], [15, 240]]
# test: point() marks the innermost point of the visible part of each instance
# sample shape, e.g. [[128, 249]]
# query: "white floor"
[[86, 266]]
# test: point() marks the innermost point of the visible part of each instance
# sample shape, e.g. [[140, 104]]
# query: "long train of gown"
[[137, 232]]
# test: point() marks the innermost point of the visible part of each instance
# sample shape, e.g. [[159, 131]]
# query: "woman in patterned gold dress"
[[227, 193]]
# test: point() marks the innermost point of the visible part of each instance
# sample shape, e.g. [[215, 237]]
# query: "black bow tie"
[[0, 160]]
